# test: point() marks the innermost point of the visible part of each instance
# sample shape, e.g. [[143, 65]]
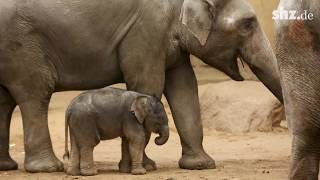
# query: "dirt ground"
[[261, 156]]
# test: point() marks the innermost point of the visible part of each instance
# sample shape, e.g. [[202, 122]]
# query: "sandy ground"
[[261, 156]]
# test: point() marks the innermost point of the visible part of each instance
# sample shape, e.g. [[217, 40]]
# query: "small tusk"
[[241, 60], [12, 145]]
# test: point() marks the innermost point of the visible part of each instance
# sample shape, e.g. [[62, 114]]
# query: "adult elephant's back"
[[75, 38]]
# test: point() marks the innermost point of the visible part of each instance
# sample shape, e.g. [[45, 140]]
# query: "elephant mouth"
[[236, 77], [227, 65], [233, 70]]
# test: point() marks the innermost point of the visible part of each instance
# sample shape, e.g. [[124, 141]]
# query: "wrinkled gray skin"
[[59, 45], [109, 113], [298, 54]]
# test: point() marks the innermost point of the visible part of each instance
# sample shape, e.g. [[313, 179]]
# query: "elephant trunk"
[[163, 135], [258, 54]]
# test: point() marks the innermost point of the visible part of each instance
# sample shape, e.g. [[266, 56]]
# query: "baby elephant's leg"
[[136, 148], [86, 161], [125, 162], [73, 167]]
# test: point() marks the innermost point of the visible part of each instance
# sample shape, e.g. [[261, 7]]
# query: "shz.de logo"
[[282, 14]]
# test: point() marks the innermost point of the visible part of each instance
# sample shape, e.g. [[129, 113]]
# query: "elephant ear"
[[197, 17], [139, 108]]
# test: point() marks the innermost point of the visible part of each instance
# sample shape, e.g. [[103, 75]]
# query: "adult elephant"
[[59, 45], [298, 53]]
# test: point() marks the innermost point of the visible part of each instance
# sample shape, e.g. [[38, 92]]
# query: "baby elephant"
[[109, 113]]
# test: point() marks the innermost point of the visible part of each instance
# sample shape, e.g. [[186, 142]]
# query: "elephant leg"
[[136, 152], [148, 163], [125, 162], [139, 75], [74, 161], [301, 108], [34, 104], [87, 167], [181, 91], [7, 105], [305, 158], [31, 83], [39, 155]]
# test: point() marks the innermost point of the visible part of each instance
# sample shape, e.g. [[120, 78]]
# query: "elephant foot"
[[306, 168], [73, 171], [197, 162], [7, 163], [43, 164], [124, 166], [89, 171], [149, 164], [139, 171]]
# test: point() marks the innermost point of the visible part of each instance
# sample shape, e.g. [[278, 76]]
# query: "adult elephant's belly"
[[88, 72]]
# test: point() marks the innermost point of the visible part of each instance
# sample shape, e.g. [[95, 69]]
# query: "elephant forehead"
[[299, 33]]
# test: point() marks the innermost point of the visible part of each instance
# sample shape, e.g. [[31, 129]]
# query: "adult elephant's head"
[[220, 31]]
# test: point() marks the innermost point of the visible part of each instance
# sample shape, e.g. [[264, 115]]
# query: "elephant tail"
[[66, 145]]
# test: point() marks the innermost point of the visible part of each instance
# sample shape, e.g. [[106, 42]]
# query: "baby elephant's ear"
[[139, 108]]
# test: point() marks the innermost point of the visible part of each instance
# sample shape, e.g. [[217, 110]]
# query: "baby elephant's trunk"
[[163, 135]]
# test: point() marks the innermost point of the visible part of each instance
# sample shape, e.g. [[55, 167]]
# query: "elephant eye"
[[247, 25], [133, 113]]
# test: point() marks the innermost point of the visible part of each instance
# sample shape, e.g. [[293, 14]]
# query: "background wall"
[[264, 10]]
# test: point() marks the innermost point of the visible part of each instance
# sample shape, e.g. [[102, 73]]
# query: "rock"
[[238, 107]]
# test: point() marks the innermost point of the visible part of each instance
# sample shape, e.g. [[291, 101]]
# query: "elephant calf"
[[109, 113]]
